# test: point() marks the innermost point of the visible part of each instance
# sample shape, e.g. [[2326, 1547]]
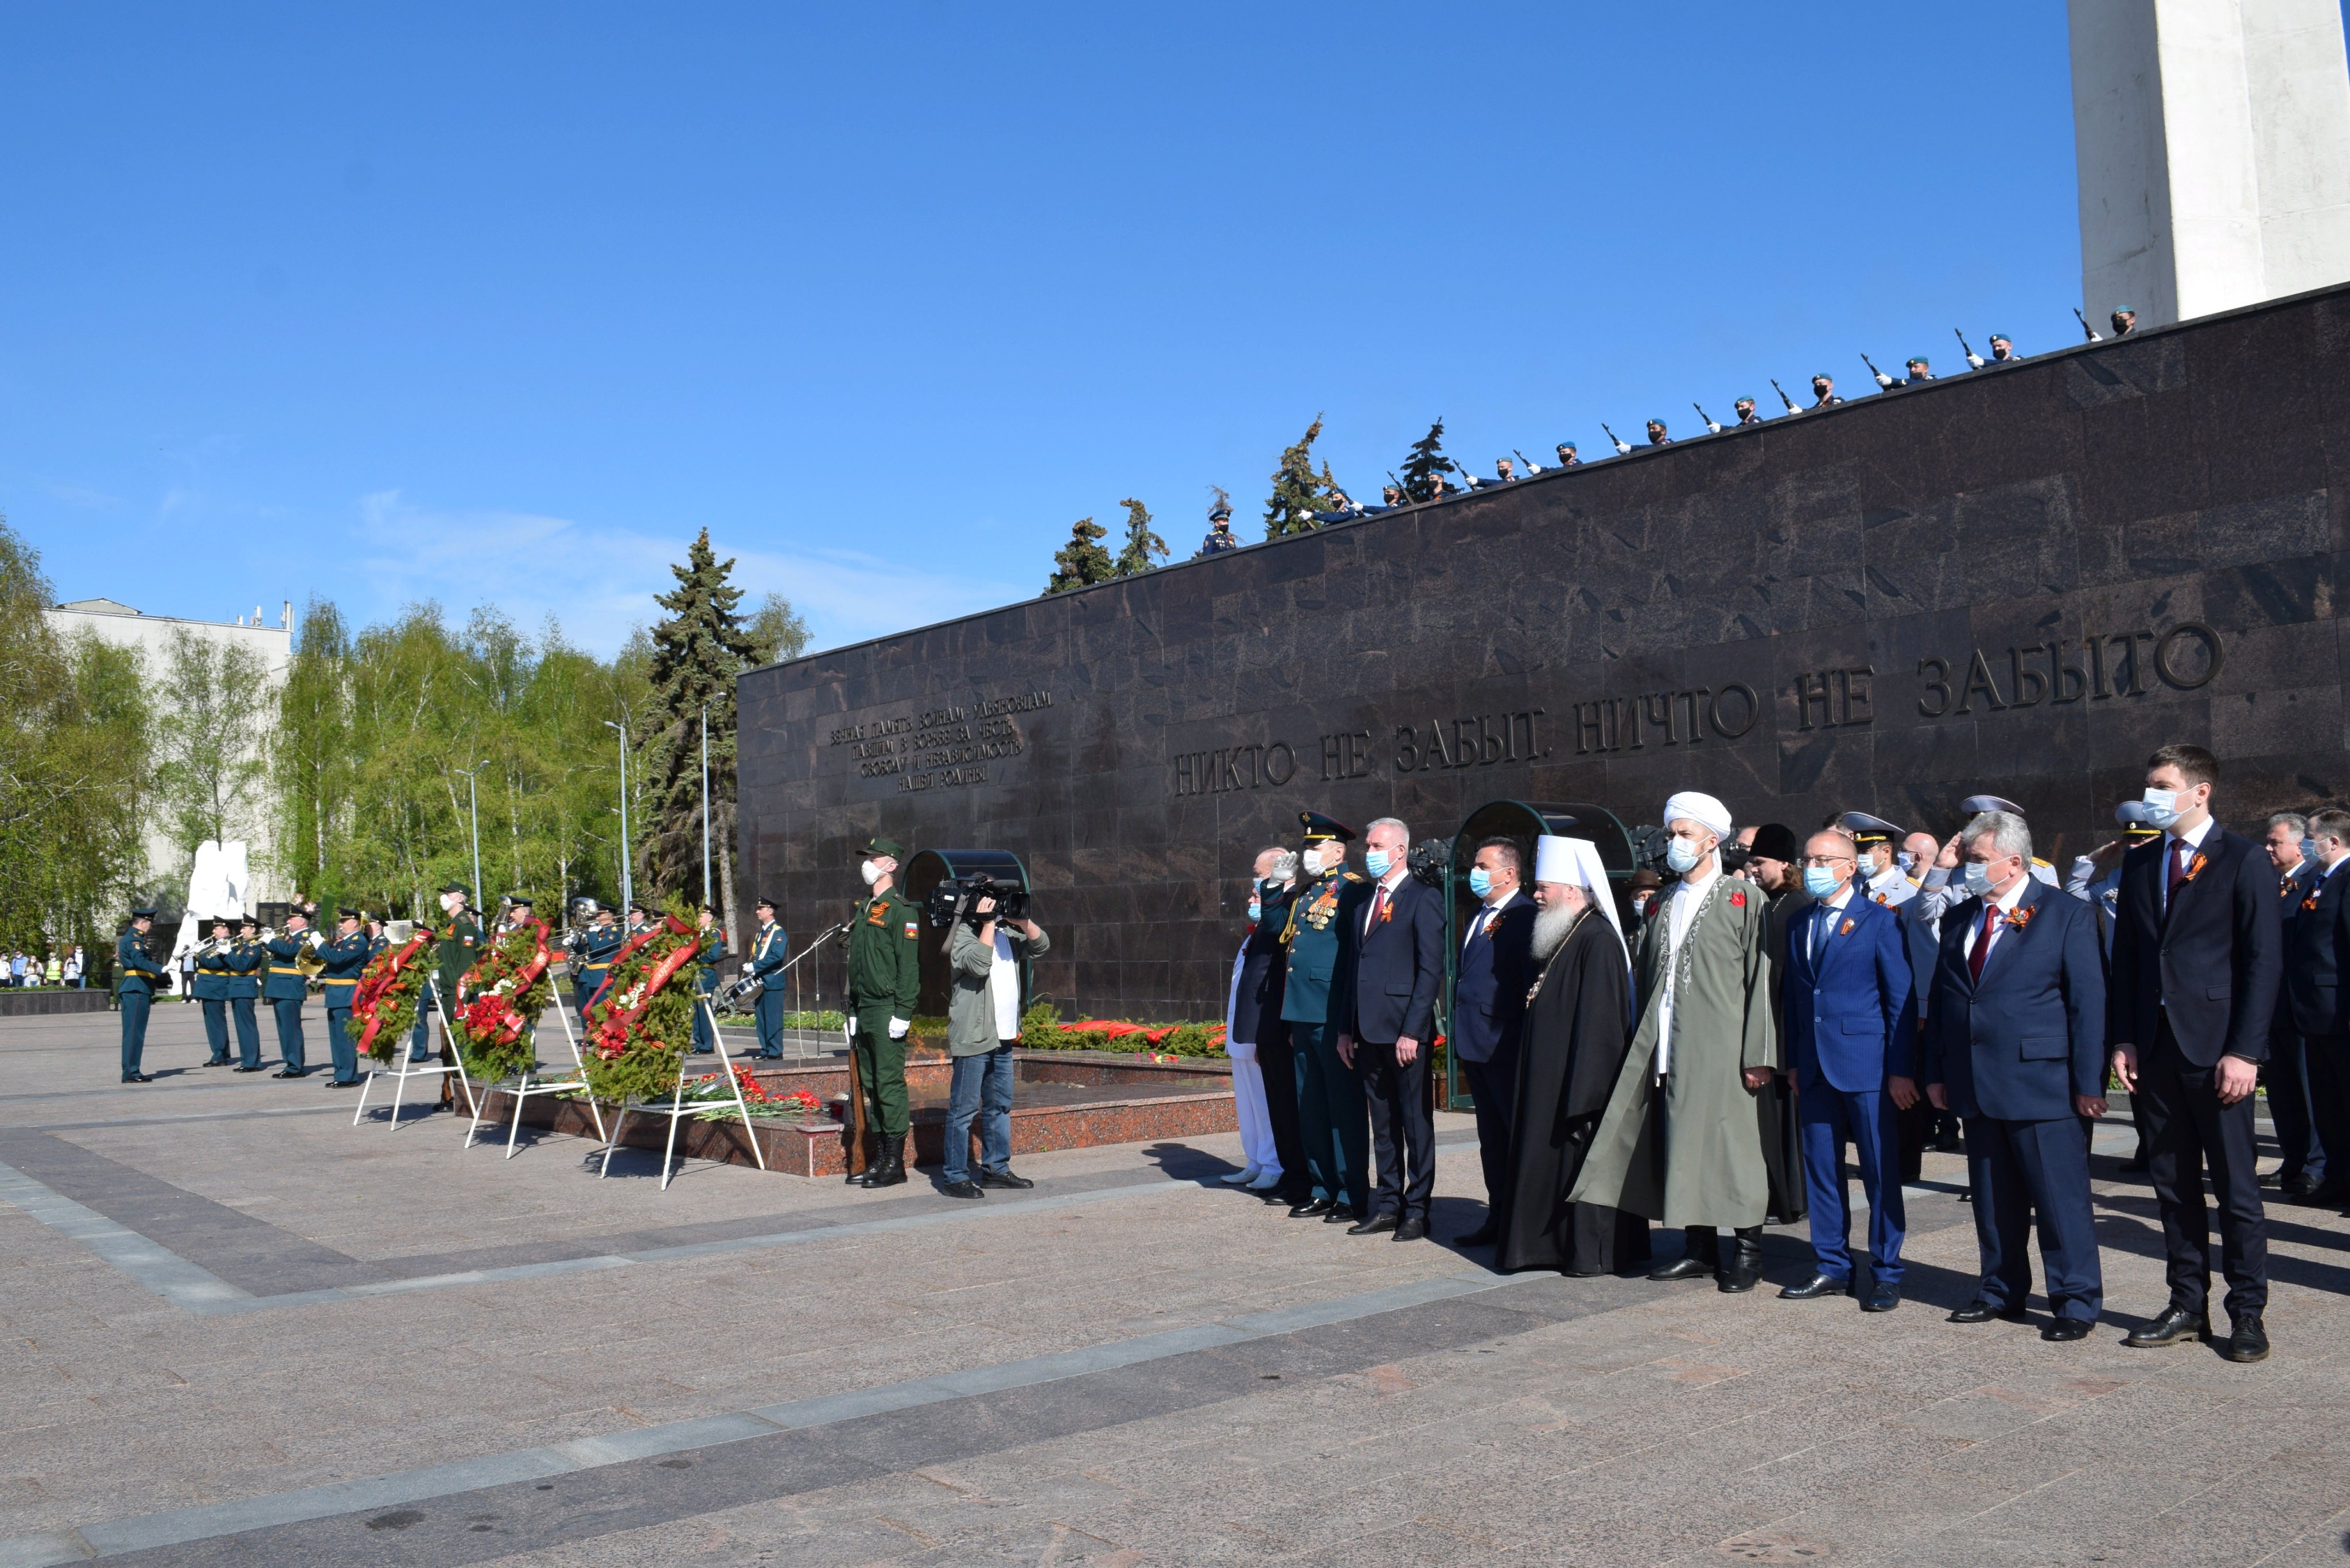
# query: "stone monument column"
[[2213, 140]]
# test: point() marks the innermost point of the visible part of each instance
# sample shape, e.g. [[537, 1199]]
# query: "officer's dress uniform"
[[211, 994], [769, 953], [245, 962], [346, 958], [1332, 1122], [885, 981], [601, 944], [458, 946], [138, 975], [705, 986], [285, 989]]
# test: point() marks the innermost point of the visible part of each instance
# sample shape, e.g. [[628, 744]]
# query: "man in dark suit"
[[2286, 1076], [2317, 987], [2015, 1045], [2195, 972], [1489, 998], [1851, 1019], [1383, 1005]]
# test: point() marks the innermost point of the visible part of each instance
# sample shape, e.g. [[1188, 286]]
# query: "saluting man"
[[1332, 1122], [245, 961], [286, 989], [885, 980], [347, 955], [137, 978], [212, 990], [767, 956], [604, 943]]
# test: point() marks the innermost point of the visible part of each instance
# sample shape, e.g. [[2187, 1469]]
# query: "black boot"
[[1701, 1255], [872, 1150], [892, 1169], [1743, 1267]]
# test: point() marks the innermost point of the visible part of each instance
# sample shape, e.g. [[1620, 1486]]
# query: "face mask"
[[1819, 881], [1909, 861], [1978, 878], [870, 871], [2161, 807], [1681, 856], [1256, 911], [1376, 862], [1480, 881]]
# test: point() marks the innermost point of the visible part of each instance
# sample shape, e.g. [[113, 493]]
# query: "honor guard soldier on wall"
[[136, 977], [1220, 532], [885, 980], [212, 991], [712, 952], [347, 955], [766, 962], [1332, 1122], [603, 941], [286, 989], [246, 962]]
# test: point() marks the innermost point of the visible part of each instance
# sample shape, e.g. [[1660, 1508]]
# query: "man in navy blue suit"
[[2016, 1043], [1383, 1009], [1851, 1013], [1489, 998], [2286, 1076], [2317, 988], [2195, 972]]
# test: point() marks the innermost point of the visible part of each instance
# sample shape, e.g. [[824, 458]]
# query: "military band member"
[[137, 976], [602, 945], [885, 980], [768, 954], [347, 956], [1333, 1124], [517, 915], [212, 990], [244, 963], [286, 989], [705, 983], [376, 940]]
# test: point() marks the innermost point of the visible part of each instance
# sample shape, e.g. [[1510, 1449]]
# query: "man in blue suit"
[[1851, 1012], [1383, 1011], [1489, 998], [2016, 1043]]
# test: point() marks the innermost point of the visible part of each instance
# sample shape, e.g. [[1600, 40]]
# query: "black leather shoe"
[[2066, 1330], [1312, 1209], [340, 1083], [1342, 1214], [1819, 1284], [2326, 1194], [1484, 1235], [1373, 1225], [2300, 1184], [1413, 1230], [962, 1189], [1741, 1265], [2249, 1341], [217, 1062], [1689, 1268], [1881, 1297], [1983, 1311], [289, 1072], [138, 1078], [2175, 1325], [1004, 1179], [244, 1069]]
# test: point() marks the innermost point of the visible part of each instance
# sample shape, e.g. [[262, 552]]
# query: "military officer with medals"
[[460, 945], [706, 980], [1334, 1123], [885, 980], [347, 957], [245, 962], [137, 976], [211, 991], [768, 955], [602, 944], [640, 920], [286, 988]]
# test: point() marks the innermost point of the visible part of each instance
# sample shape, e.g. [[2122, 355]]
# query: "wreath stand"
[[680, 1108], [408, 1069], [528, 1083]]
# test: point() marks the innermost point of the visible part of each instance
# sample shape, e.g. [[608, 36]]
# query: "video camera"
[[958, 898], [1430, 858], [1650, 843]]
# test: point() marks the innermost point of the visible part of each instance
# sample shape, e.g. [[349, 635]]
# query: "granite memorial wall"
[[2018, 580]]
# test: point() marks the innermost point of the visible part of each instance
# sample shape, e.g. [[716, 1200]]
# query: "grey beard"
[[1553, 922]]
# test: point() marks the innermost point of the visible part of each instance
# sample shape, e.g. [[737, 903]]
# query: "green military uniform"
[[453, 954], [885, 980], [1332, 1120]]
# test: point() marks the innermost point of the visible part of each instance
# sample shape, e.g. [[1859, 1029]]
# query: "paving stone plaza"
[[242, 1331]]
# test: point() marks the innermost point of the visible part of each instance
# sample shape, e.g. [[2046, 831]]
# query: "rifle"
[[2094, 336], [1974, 361], [1623, 447], [1532, 467], [1783, 396], [1711, 428], [1884, 381]]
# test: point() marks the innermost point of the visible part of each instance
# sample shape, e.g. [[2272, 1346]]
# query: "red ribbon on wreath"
[[611, 1032], [366, 1000], [493, 1015]]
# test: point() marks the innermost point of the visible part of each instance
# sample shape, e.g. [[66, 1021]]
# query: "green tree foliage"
[[776, 631], [1142, 544], [1297, 490], [211, 773], [1082, 562], [697, 652], [1426, 463]]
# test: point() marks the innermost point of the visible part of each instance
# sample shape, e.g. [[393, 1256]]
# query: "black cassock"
[[1571, 1048]]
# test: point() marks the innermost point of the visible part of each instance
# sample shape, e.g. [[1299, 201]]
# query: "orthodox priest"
[[1681, 1139], [1571, 1048]]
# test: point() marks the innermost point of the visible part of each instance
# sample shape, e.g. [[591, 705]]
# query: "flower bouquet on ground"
[[642, 1024], [503, 994], [384, 1007], [799, 1106]]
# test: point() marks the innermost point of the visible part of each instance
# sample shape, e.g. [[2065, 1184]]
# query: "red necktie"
[[1982, 943], [2178, 849], [1378, 905]]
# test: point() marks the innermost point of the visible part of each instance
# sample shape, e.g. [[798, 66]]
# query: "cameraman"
[[983, 1026]]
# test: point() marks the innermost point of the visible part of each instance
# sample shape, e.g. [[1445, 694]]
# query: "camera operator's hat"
[[1867, 830], [1776, 841], [1319, 827], [2136, 824], [889, 847]]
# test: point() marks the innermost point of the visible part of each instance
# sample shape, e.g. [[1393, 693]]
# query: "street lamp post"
[[628, 879], [474, 816], [705, 808]]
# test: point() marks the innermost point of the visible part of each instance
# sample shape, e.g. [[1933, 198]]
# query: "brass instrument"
[[308, 961]]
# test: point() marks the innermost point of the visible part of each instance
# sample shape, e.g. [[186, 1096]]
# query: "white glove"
[[898, 1027], [746, 969]]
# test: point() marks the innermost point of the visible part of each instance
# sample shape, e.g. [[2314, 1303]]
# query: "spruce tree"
[[1297, 490], [1425, 462], [696, 654], [1081, 562], [1142, 544]]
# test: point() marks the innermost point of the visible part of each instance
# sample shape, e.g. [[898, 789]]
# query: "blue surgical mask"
[[1681, 856], [1819, 881], [1909, 861], [1376, 862], [1978, 879], [1256, 911], [2161, 807], [1480, 881]]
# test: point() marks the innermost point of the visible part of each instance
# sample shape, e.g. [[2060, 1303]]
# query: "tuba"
[[308, 959]]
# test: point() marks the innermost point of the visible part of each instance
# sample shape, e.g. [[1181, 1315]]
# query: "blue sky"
[[502, 304]]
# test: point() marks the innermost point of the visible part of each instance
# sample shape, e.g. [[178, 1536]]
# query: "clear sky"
[[503, 303]]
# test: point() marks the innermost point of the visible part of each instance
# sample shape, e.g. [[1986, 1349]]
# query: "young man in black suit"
[[2195, 966], [1383, 1010], [1489, 998]]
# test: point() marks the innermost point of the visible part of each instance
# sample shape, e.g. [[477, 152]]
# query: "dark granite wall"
[[2010, 581]]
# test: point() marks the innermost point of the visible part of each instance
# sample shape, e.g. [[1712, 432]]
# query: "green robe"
[[1697, 1160]]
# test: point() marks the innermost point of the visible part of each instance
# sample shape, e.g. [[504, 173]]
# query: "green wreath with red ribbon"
[[384, 1007], [510, 984], [640, 1026]]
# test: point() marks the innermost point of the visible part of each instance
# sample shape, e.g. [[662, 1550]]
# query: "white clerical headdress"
[[1700, 808], [1576, 861]]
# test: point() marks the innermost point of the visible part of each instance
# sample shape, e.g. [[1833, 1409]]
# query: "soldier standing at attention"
[[286, 989], [1220, 532], [705, 983], [245, 962], [460, 945], [1334, 1125], [1824, 388], [211, 990], [604, 941], [767, 956], [885, 980], [347, 955], [137, 976]]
